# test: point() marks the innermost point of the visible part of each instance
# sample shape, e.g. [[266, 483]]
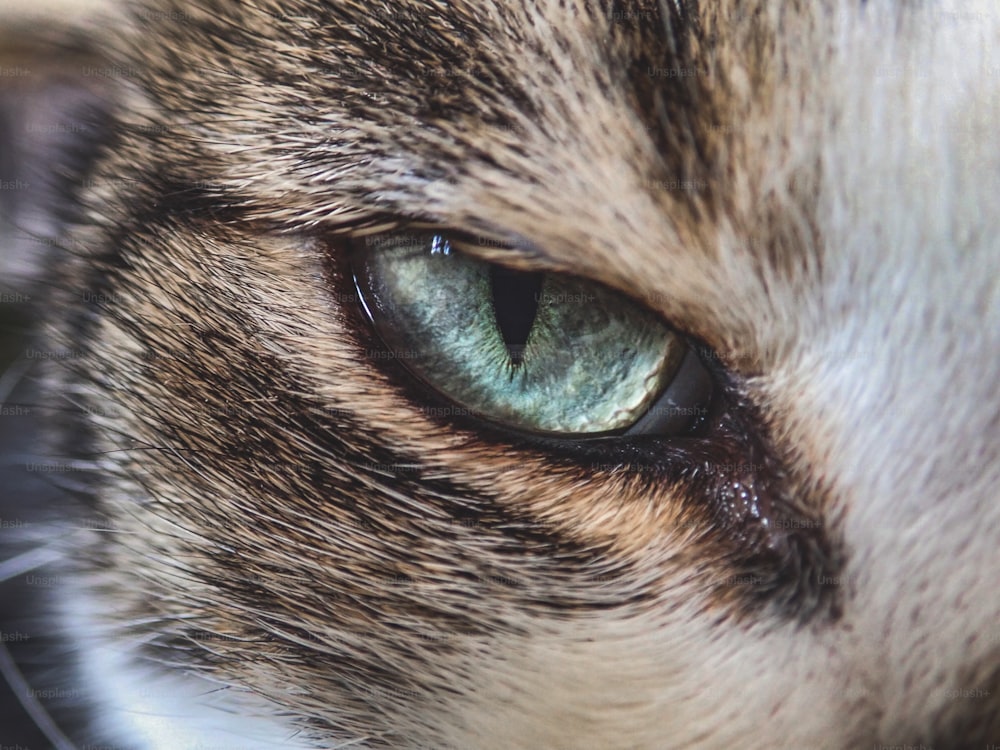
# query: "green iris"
[[542, 352]]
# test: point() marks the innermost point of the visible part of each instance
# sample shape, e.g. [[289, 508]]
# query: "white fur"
[[153, 708]]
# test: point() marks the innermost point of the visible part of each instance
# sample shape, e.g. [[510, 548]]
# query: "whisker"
[[12, 377], [28, 561], [32, 706]]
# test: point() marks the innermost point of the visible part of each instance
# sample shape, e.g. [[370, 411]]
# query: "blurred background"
[[46, 98]]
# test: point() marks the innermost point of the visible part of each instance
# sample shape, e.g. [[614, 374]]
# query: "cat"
[[505, 374]]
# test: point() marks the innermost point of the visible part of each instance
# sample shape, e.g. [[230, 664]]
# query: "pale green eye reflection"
[[543, 352]]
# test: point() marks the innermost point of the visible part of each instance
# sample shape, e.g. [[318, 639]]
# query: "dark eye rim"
[[664, 420]]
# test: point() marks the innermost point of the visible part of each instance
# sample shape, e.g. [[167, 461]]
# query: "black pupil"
[[515, 304]]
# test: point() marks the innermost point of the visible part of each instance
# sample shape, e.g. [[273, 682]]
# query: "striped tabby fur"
[[283, 545]]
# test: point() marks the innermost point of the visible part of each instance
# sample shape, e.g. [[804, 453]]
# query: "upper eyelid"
[[496, 247], [515, 253], [490, 246]]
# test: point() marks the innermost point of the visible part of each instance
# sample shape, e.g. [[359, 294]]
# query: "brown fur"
[[291, 518]]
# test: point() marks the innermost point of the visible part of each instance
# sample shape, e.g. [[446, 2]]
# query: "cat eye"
[[542, 352]]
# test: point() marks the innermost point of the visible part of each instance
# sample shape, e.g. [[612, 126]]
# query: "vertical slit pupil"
[[515, 305]]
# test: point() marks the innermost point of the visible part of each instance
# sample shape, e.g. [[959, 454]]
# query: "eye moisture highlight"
[[539, 352]]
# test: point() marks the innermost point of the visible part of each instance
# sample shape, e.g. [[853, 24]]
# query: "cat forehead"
[[576, 125], [430, 58]]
